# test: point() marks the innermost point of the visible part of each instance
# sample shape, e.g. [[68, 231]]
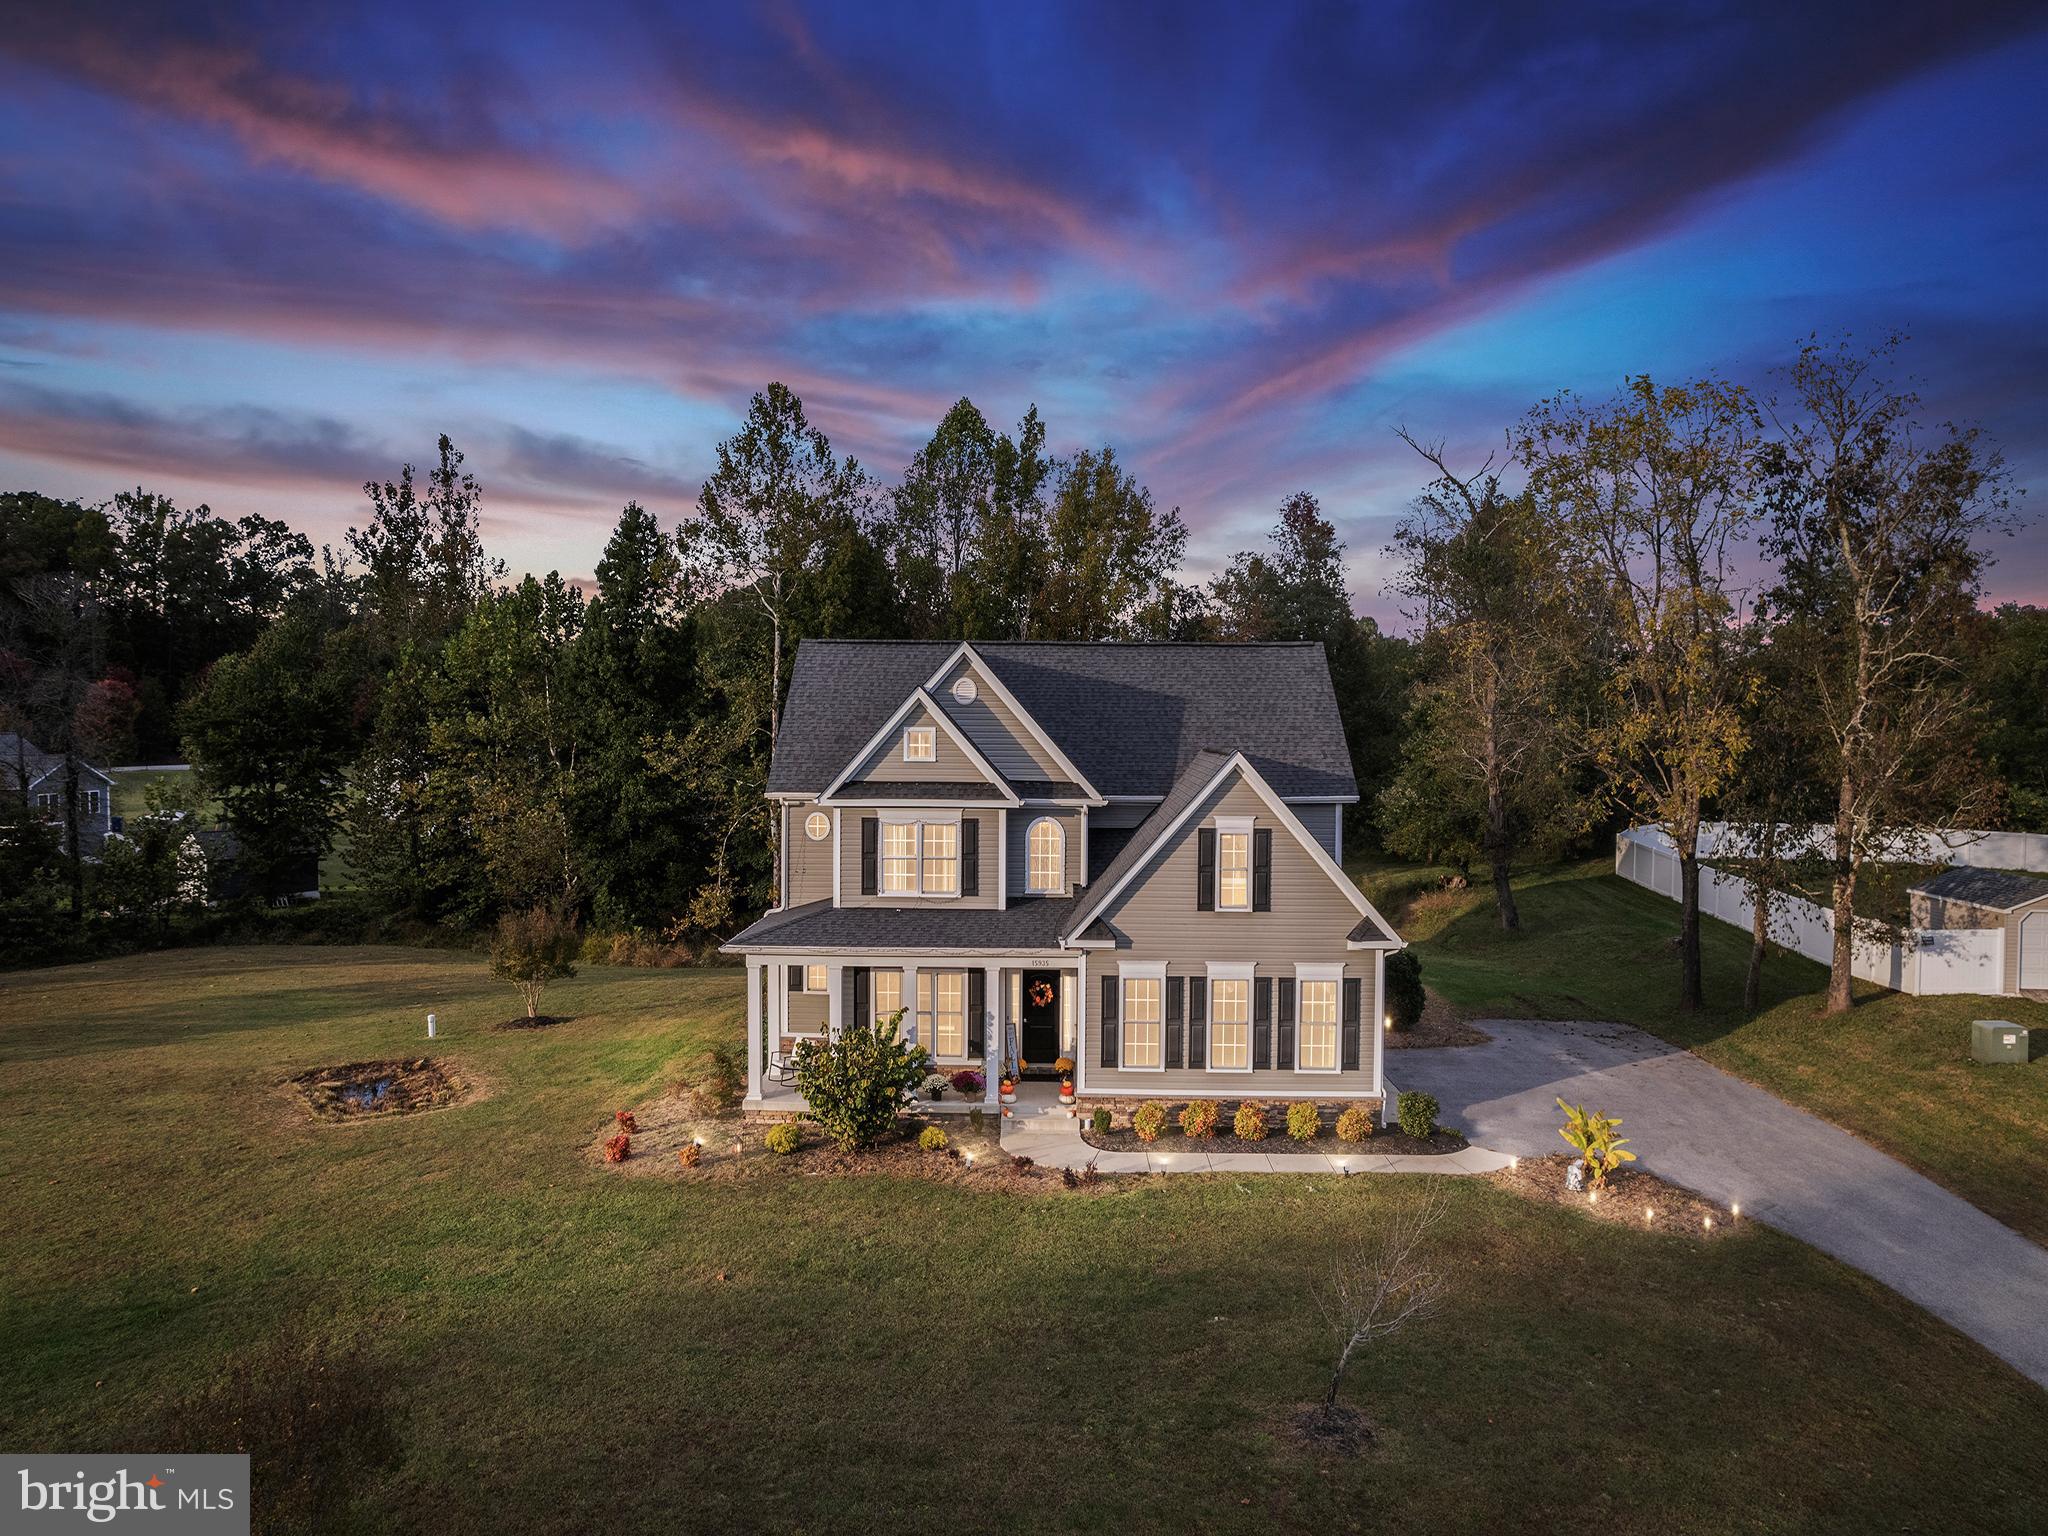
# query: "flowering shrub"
[[1303, 1123], [1199, 1118], [783, 1139], [1250, 1121], [1064, 1066], [1417, 1113], [689, 1154], [968, 1082], [855, 1084], [932, 1139], [618, 1148], [935, 1085], [1355, 1124], [1100, 1121], [625, 1119], [1149, 1121]]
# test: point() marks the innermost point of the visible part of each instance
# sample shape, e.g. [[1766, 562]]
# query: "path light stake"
[[1707, 1222], [1735, 1212]]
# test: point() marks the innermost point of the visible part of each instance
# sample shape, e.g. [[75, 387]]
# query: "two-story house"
[[1125, 854], [27, 770]]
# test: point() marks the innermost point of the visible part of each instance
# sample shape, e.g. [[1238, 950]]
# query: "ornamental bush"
[[1355, 1124], [854, 1085], [689, 1154], [531, 949], [1250, 1121], [1303, 1123], [1417, 1112], [1199, 1118], [969, 1083], [626, 1121], [783, 1139], [1149, 1121], [1100, 1121], [932, 1139], [1405, 996], [619, 1148]]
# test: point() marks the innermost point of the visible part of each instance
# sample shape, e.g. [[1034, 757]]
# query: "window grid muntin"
[[1230, 1024], [1045, 855], [1316, 1047], [817, 826], [921, 744], [1144, 1025], [899, 858], [885, 988], [941, 858], [1234, 871]]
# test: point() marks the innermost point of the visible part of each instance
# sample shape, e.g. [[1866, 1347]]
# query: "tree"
[[853, 1086], [422, 555], [1875, 525], [1388, 1282], [1653, 487], [1111, 557], [533, 947], [2009, 673]]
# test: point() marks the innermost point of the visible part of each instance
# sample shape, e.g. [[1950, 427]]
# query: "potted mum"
[[935, 1085], [1065, 1067]]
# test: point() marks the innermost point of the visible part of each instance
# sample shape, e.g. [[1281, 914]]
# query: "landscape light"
[[1514, 1162], [1649, 1213], [1592, 1197], [1735, 1211], [696, 1141], [1707, 1222]]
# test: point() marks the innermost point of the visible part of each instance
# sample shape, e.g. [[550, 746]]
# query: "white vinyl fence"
[[1920, 960]]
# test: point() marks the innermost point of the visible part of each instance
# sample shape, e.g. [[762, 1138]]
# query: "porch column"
[[910, 1033], [756, 1057], [835, 1001], [992, 1037], [778, 1002]]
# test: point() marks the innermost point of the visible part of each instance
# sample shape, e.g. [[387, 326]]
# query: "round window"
[[963, 690], [817, 824]]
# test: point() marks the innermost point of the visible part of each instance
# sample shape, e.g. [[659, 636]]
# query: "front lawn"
[[567, 1349], [1896, 1070]]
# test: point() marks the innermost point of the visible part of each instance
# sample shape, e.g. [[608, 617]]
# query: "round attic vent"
[[963, 690]]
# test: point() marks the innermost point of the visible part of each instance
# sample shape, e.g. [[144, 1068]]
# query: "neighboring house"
[[27, 769], [1126, 854], [1966, 897], [226, 880]]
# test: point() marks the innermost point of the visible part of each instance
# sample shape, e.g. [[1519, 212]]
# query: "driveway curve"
[[1737, 1144]]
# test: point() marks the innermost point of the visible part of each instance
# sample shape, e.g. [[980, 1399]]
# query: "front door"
[[1038, 1033]]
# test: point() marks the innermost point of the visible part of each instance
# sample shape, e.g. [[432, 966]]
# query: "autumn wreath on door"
[[1041, 994]]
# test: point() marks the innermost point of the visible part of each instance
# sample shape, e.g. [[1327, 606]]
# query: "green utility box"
[[1994, 1040]]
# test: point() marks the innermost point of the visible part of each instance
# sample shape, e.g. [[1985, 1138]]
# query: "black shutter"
[[863, 994], [1283, 1049], [1109, 1021], [849, 995], [1176, 1028], [1205, 870], [1353, 1005], [870, 837], [1262, 1024], [977, 1013], [1198, 1022], [1262, 869], [970, 856], [796, 978]]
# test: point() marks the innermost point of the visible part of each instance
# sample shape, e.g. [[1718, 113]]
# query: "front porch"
[[987, 1014]]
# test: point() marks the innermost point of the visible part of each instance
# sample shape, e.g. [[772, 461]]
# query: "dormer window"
[[921, 744], [1233, 864]]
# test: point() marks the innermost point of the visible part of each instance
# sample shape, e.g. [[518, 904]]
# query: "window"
[[815, 978], [941, 859], [964, 691], [942, 1012], [92, 802], [1045, 856], [1316, 1050], [50, 805], [921, 744], [816, 825], [1230, 1023], [886, 986], [1233, 866], [899, 858], [1143, 1022]]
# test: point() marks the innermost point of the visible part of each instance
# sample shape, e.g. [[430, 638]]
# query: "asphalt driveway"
[[1737, 1144]]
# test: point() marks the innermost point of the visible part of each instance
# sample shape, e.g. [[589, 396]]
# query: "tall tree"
[[1876, 520], [1111, 557], [422, 555], [2010, 674], [1655, 486]]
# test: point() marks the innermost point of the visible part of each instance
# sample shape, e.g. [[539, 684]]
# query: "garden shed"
[[1968, 897]]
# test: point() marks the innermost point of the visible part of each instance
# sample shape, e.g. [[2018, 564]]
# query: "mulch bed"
[[1337, 1429], [1388, 1143], [1440, 1025], [365, 1090], [1634, 1197], [543, 1021]]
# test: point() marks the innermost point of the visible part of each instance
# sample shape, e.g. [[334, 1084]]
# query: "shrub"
[[854, 1085], [968, 1083], [1250, 1121], [1199, 1118], [932, 1139], [1417, 1113], [783, 1139], [619, 1148], [1303, 1121], [1101, 1120], [977, 1120], [1405, 996], [626, 1121], [1593, 1134], [533, 948], [1149, 1121], [725, 1079], [1355, 1124], [689, 1154]]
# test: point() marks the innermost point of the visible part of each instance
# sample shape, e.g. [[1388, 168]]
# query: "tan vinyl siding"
[[808, 1013], [995, 730], [1076, 845], [949, 764], [849, 863], [810, 864], [1321, 820]]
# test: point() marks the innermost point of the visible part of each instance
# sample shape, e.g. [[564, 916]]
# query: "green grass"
[[573, 1350], [1896, 1070]]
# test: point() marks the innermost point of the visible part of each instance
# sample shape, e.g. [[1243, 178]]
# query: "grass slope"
[[1896, 1070], [576, 1351]]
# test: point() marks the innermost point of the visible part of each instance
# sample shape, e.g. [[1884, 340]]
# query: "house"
[[1126, 854], [27, 769], [1967, 897]]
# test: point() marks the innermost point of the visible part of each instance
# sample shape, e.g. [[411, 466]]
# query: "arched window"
[[1045, 850]]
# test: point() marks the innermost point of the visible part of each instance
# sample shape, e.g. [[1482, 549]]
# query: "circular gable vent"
[[963, 690]]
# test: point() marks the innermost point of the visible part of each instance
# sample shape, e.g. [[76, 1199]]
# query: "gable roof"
[[1994, 889], [1130, 716], [40, 764], [1064, 764], [918, 704]]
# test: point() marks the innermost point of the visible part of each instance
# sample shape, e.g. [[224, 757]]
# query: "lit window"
[[921, 744], [941, 859], [1230, 1024], [1318, 1048], [887, 986], [816, 825], [899, 858], [963, 690], [942, 1007], [814, 978], [1045, 866], [1234, 871], [1142, 1021]]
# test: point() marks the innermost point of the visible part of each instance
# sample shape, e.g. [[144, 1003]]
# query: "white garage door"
[[2034, 951]]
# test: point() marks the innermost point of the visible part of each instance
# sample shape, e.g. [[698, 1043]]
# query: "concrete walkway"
[[1737, 1144]]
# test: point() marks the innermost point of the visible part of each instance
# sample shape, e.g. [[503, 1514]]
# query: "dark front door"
[[1038, 1034]]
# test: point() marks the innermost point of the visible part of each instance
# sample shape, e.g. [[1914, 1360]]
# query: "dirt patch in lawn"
[[1634, 1197], [1440, 1025], [1331, 1428], [365, 1090], [542, 1021]]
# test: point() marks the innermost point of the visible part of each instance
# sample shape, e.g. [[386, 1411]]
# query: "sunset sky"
[[254, 255]]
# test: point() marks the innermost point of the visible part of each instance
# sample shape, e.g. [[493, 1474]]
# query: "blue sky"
[[254, 255]]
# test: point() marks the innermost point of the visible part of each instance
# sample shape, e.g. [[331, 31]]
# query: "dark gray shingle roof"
[[1025, 924], [1993, 888], [1130, 716], [917, 789], [1370, 932]]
